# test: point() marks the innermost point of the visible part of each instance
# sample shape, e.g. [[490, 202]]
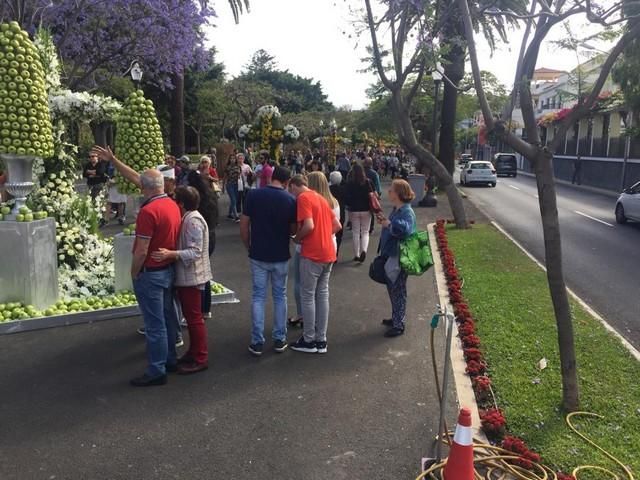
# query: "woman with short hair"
[[400, 225], [193, 272]]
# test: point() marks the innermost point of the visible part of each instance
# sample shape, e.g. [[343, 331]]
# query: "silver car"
[[628, 204]]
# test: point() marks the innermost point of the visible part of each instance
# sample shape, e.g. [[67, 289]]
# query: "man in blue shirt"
[[267, 222]]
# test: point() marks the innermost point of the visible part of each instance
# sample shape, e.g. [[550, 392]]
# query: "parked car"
[[628, 205], [506, 164], [478, 172], [465, 158]]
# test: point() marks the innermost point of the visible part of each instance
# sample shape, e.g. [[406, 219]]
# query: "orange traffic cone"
[[460, 462]]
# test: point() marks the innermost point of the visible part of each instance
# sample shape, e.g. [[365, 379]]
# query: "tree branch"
[[517, 143], [377, 57], [416, 85]]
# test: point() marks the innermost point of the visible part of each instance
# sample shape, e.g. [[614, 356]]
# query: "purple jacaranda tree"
[[100, 39], [97, 39]]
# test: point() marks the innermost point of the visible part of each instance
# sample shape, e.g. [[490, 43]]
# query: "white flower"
[[244, 130], [291, 132], [268, 111]]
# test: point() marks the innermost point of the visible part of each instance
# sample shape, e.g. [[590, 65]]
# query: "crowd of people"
[[282, 213]]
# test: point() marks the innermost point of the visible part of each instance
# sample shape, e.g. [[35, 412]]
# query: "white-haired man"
[[157, 226]]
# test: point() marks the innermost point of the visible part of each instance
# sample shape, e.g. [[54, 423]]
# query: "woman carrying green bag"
[[400, 225]]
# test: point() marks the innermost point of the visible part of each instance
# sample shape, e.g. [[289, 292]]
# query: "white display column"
[[29, 263], [122, 248]]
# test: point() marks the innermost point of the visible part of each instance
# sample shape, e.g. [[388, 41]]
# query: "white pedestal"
[[122, 248], [29, 263]]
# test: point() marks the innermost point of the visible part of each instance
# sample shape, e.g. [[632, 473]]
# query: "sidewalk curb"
[[464, 389], [584, 188], [625, 343]]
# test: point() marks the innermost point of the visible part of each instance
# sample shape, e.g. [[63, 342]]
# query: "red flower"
[[482, 383], [493, 422], [517, 445], [473, 354], [471, 341], [475, 368], [466, 329], [564, 476]]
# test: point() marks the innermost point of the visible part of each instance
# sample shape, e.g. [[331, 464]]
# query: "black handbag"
[[376, 269]]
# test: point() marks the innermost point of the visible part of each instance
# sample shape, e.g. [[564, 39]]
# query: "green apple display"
[[25, 131], [138, 138]]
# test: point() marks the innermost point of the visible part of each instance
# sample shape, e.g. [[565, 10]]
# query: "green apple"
[[28, 217], [20, 218]]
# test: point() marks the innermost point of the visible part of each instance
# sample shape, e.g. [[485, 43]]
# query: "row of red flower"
[[492, 418]]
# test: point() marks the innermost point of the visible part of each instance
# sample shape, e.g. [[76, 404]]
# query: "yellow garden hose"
[[495, 463]]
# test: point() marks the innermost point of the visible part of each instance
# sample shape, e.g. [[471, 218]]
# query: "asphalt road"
[[601, 258], [366, 410]]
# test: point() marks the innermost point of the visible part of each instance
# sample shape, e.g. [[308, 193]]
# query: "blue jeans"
[[260, 273], [232, 190], [296, 282], [154, 291]]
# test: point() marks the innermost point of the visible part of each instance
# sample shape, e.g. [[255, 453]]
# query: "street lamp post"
[[136, 73], [437, 78]]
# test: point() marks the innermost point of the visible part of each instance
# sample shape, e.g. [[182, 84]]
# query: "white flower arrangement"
[[85, 261], [93, 274], [268, 111], [291, 132], [82, 106], [244, 130], [49, 58]]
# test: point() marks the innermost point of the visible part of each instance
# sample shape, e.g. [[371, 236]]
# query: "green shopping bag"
[[415, 253]]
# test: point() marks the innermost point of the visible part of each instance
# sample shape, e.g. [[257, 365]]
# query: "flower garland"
[[82, 106], [492, 418]]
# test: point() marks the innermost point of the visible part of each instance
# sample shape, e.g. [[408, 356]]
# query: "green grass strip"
[[509, 297]]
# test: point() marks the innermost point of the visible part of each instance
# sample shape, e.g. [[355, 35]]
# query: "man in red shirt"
[[317, 224], [157, 226]]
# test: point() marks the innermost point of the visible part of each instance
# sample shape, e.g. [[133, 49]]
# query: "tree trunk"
[[454, 71], [555, 277], [176, 110], [425, 157], [199, 140]]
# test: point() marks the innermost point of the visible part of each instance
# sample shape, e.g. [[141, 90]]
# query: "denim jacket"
[[403, 224]]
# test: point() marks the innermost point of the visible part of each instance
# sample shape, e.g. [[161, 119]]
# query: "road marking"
[[514, 187], [593, 218]]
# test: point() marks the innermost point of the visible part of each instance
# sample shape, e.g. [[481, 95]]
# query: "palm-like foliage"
[[495, 26], [238, 7]]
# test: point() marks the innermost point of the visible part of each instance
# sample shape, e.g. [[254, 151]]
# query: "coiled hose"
[[496, 463]]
